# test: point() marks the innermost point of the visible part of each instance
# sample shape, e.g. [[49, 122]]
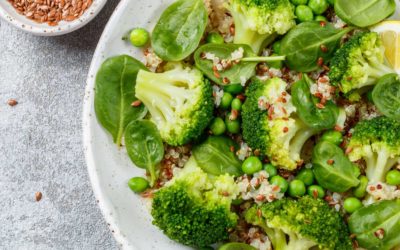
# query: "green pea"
[[352, 204], [333, 136], [270, 169], [234, 89], [139, 37], [138, 184], [393, 177], [304, 13], [215, 37], [318, 6], [275, 65], [218, 126], [297, 188], [232, 126], [251, 165], [316, 191], [280, 182], [276, 47], [236, 104], [361, 190], [306, 175], [299, 2], [321, 18], [226, 100]]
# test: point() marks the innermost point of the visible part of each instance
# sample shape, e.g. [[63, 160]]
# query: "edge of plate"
[[102, 200]]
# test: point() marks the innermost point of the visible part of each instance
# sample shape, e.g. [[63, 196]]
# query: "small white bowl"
[[10, 14]]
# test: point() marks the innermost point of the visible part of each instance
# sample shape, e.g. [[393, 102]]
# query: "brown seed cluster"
[[51, 11]]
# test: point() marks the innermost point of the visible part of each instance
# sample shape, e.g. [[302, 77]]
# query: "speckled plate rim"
[[103, 202], [126, 214], [11, 16]]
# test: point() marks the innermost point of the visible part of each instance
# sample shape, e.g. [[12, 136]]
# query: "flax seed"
[[320, 62], [225, 80], [136, 103], [12, 102], [380, 233], [51, 11], [324, 48], [38, 196]]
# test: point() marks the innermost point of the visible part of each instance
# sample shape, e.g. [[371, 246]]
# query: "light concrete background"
[[40, 141]]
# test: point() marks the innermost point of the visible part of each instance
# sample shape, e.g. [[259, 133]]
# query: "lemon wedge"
[[390, 34]]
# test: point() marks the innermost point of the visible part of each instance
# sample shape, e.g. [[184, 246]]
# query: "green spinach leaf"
[[144, 146], [179, 30], [239, 71], [364, 13], [306, 43], [215, 157], [115, 93], [235, 74], [307, 110], [332, 169], [386, 96], [382, 217]]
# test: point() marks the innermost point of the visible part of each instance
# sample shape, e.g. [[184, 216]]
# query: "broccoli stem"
[[251, 38], [277, 238], [374, 71], [341, 120], [377, 71], [279, 241], [299, 244], [263, 59], [381, 68], [379, 165], [244, 35], [160, 93], [158, 115], [296, 144]]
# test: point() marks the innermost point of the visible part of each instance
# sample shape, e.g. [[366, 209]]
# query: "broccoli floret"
[[359, 63], [194, 208], [179, 100], [301, 224], [258, 22], [377, 141], [270, 125]]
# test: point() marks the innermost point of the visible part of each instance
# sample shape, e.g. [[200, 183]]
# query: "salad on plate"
[[263, 124]]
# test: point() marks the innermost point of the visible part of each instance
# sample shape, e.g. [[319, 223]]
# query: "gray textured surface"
[[40, 141]]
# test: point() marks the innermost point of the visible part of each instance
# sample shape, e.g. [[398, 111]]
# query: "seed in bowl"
[[51, 11]]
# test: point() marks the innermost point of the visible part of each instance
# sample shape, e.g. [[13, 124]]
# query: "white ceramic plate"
[[109, 168], [9, 14]]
